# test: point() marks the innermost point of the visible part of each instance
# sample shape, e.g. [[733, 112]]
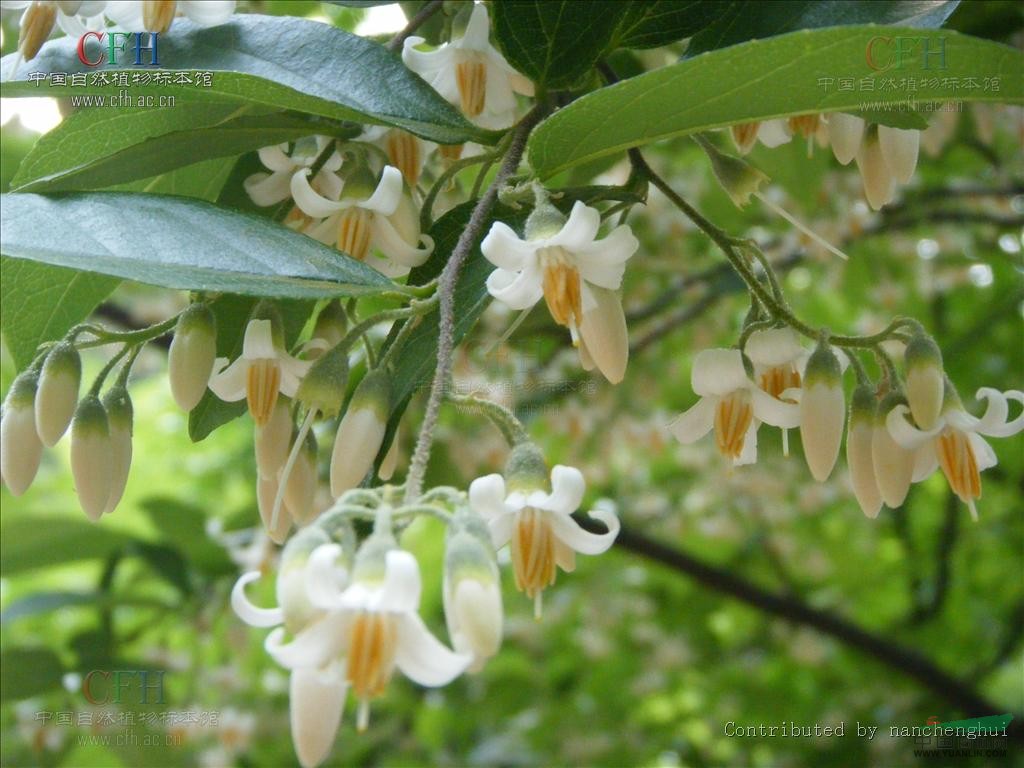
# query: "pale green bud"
[[859, 438], [120, 414], [91, 462], [472, 590], [526, 469], [822, 411], [300, 491], [361, 432], [191, 357], [323, 386], [925, 385], [58, 392], [331, 324], [20, 446], [738, 178]]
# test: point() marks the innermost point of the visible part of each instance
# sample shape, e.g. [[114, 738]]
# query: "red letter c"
[[81, 49]]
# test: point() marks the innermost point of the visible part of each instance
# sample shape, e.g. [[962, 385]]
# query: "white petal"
[[862, 468], [268, 188], [604, 337], [402, 586], [994, 422], [310, 202], [422, 657], [822, 416], [259, 341], [774, 347], [500, 527], [579, 231], [925, 462], [323, 579], [477, 35], [773, 411], [356, 444], [567, 488], [983, 453], [904, 433], [292, 371], [899, 148], [691, 425], [487, 496], [517, 290], [845, 133], [316, 703], [127, 14], [388, 241], [208, 13], [387, 195], [894, 466], [228, 383], [748, 455], [503, 248], [604, 262], [275, 158], [569, 532], [717, 372], [879, 185], [774, 133], [252, 614], [314, 646]]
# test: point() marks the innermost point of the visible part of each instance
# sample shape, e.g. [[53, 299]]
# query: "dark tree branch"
[[943, 559], [428, 10]]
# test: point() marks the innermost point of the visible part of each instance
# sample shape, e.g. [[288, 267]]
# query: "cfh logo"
[[132, 686], [933, 720], [94, 52], [885, 53]]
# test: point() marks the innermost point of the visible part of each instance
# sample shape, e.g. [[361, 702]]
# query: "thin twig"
[[428, 10]]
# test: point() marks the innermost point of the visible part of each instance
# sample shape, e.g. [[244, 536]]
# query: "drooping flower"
[[20, 446], [91, 464], [893, 464], [845, 134], [472, 589], [778, 360], [158, 15], [886, 156], [732, 405], [74, 17], [564, 261], [471, 73], [361, 432], [368, 215], [955, 443], [192, 354], [58, 392], [120, 413], [925, 382], [405, 151], [771, 133], [534, 514], [271, 188], [859, 437], [822, 411], [263, 371]]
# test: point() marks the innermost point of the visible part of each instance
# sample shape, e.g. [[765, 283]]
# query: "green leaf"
[[184, 527], [38, 541], [177, 242], [232, 313], [47, 602], [788, 75], [203, 180], [41, 303], [29, 671], [281, 62], [96, 148], [650, 24], [738, 22], [555, 42]]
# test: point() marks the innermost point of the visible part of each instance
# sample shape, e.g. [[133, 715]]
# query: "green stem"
[[97, 385], [426, 212], [106, 336], [511, 428]]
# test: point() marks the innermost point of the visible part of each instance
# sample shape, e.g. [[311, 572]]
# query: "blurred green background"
[[634, 663]]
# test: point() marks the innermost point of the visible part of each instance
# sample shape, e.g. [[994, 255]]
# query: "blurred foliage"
[[633, 664]]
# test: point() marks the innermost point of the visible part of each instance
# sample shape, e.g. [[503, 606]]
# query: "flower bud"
[[845, 134], [878, 180], [273, 440], [859, 437], [472, 589], [20, 446], [526, 470], [58, 392], [300, 491], [331, 324], [822, 411], [361, 432], [603, 338], [316, 700], [266, 494], [119, 415], [36, 25], [389, 463], [893, 464], [899, 149], [292, 594], [323, 387], [191, 356], [923, 362], [158, 15], [738, 178], [91, 463]]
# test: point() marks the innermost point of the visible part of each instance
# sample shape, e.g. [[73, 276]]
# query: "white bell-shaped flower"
[[859, 437], [779, 361], [771, 133], [893, 464], [955, 443], [845, 134], [538, 522], [20, 446], [732, 405], [158, 15], [472, 589], [471, 73], [271, 188], [263, 371], [899, 148]]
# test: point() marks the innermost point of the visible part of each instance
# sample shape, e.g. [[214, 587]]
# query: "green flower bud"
[[120, 414], [331, 324], [526, 469], [191, 357], [91, 463], [323, 386], [545, 220], [925, 385], [20, 446], [58, 392], [859, 438], [738, 178], [472, 589]]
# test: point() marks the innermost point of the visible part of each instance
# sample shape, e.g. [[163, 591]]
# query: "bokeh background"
[[635, 662]]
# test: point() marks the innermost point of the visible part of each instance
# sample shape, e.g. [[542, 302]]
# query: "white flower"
[[405, 152], [472, 73], [845, 134], [472, 589], [732, 405], [92, 456], [955, 443], [539, 525], [771, 133], [263, 371], [158, 15], [886, 156], [371, 626], [859, 438], [74, 17], [20, 446], [356, 225], [567, 265], [271, 188]]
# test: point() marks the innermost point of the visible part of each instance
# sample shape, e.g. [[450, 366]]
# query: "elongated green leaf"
[[652, 23], [40, 303], [177, 242], [38, 541], [555, 42], [29, 671], [282, 62], [798, 73], [738, 22], [96, 148]]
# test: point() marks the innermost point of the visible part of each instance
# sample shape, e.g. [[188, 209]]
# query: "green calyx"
[[302, 544], [323, 386], [467, 557], [371, 559], [63, 360], [373, 393], [863, 405], [738, 178], [331, 323], [199, 319], [823, 367], [922, 351], [22, 393], [526, 469], [118, 406], [360, 181], [950, 397], [91, 418], [885, 407], [545, 220]]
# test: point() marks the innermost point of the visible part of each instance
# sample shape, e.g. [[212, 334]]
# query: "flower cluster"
[[898, 432]]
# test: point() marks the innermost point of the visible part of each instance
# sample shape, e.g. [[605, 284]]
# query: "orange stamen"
[[354, 229], [733, 415], [471, 78], [959, 465], [404, 153], [373, 640], [533, 552], [263, 381]]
